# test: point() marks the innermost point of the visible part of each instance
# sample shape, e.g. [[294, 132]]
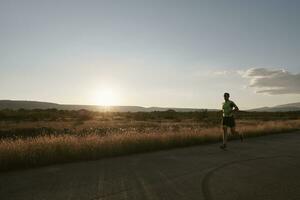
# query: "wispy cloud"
[[215, 73], [274, 82]]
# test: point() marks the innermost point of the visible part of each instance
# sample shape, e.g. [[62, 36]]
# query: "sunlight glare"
[[106, 97]]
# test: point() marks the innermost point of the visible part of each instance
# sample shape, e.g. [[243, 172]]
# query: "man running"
[[229, 107]]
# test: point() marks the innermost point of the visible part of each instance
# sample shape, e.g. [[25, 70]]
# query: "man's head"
[[226, 96]]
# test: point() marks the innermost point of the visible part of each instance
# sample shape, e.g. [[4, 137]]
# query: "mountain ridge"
[[279, 108], [26, 104]]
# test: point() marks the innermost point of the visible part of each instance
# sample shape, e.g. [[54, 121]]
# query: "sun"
[[106, 97]]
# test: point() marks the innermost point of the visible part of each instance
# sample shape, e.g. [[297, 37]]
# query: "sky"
[[169, 53]]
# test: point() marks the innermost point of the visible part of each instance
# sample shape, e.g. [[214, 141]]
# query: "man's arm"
[[236, 108]]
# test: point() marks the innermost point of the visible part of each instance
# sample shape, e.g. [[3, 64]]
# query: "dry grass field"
[[38, 138]]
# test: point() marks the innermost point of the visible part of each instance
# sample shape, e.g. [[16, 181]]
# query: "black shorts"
[[228, 121]]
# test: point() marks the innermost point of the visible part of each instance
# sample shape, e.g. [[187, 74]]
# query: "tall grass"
[[45, 150]]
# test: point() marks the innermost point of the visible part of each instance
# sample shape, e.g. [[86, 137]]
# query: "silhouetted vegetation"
[[85, 115], [44, 115]]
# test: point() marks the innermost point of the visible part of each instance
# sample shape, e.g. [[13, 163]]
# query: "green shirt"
[[228, 108]]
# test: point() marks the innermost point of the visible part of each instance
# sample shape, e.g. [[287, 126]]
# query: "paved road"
[[261, 168]]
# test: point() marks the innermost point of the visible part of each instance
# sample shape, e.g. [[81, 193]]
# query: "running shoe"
[[223, 146]]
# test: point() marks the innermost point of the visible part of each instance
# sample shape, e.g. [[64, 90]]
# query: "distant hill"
[[9, 104], [279, 108], [15, 105]]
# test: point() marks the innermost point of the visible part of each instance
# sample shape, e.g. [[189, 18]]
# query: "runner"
[[229, 107]]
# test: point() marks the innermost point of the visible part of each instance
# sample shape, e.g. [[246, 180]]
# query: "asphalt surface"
[[261, 168]]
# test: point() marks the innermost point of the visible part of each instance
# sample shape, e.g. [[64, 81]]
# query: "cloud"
[[215, 73], [273, 82]]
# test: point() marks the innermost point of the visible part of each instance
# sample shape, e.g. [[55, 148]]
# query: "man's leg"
[[224, 137], [234, 132]]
